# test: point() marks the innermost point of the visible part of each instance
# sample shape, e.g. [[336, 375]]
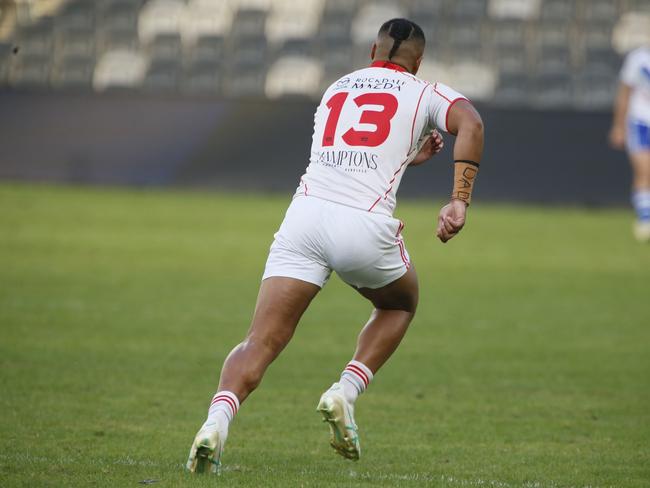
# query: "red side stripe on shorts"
[[359, 372], [402, 252]]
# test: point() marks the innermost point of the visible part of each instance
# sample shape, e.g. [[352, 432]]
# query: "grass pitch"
[[528, 363]]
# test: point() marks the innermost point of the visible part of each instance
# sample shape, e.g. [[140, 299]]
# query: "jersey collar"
[[388, 65]]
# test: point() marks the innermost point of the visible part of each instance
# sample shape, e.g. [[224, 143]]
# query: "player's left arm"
[[432, 146], [466, 124]]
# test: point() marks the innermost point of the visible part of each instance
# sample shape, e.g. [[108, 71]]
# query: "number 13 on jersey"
[[380, 119]]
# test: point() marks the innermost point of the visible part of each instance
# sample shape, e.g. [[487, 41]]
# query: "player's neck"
[[389, 64]]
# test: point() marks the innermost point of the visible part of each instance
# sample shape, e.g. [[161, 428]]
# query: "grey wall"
[[545, 156]]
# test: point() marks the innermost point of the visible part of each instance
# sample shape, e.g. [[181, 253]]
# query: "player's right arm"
[[617, 132], [466, 124]]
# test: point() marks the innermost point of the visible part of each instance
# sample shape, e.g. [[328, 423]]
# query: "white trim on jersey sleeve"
[[442, 99]]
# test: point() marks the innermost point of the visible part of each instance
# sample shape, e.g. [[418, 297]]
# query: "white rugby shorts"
[[317, 236]]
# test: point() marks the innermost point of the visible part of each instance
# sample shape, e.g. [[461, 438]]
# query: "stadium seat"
[[557, 11], [347, 7], [160, 17], [337, 59], [464, 10], [465, 35], [74, 41], [426, 8], [598, 11], [294, 76], [595, 88], [202, 78], [432, 70], [514, 9], [552, 90], [36, 39], [245, 80], [77, 14], [208, 48], [512, 60], [30, 71], [553, 59], [252, 51], [168, 46], [206, 18], [248, 23], [118, 14], [163, 75], [119, 69], [601, 57], [116, 38], [477, 81], [335, 26], [507, 33], [551, 34], [637, 6], [512, 90], [290, 20], [75, 73], [296, 47], [369, 17], [259, 5]]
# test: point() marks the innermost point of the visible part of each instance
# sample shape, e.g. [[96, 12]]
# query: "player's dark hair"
[[401, 30]]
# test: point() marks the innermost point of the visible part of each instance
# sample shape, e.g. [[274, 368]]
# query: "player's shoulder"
[[638, 54]]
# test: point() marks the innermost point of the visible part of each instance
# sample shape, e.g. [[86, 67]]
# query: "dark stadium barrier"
[[121, 139]]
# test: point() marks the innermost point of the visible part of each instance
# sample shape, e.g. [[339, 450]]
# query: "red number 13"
[[380, 119]]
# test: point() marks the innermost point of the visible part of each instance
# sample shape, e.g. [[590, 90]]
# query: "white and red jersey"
[[368, 127], [636, 74]]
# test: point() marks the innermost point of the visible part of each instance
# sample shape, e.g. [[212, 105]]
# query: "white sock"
[[222, 409], [355, 378], [641, 202]]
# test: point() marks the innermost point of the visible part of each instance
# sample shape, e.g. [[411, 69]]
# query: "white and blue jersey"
[[636, 75]]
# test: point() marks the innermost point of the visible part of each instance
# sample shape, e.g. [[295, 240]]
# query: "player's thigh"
[[280, 304], [401, 294]]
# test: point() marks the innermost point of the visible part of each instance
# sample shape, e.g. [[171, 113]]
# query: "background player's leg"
[[395, 306], [280, 304], [641, 193]]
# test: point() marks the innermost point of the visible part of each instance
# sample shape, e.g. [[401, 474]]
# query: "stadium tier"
[[520, 53]]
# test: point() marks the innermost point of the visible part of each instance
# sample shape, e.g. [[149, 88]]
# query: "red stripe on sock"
[[359, 372], [228, 400]]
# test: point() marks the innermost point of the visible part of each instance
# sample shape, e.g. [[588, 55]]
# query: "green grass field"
[[528, 363]]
